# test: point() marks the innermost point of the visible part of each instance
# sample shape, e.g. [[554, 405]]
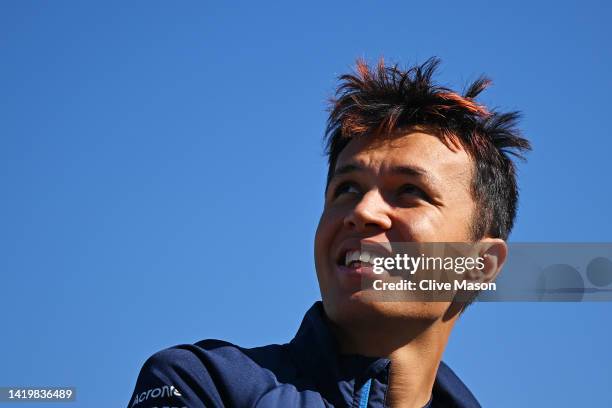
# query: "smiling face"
[[409, 188]]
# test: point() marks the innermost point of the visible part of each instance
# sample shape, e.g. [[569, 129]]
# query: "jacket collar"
[[336, 375]]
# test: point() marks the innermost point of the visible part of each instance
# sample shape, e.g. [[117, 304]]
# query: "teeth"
[[350, 257], [364, 257], [360, 256]]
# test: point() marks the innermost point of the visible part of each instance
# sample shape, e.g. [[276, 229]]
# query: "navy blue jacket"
[[307, 372]]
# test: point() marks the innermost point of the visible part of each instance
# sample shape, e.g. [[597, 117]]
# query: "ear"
[[495, 252]]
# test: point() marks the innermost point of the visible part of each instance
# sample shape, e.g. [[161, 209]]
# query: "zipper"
[[365, 394]]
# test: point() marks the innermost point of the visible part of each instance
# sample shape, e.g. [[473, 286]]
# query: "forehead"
[[415, 149]]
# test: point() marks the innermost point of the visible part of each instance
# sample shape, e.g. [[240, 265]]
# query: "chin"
[[357, 310]]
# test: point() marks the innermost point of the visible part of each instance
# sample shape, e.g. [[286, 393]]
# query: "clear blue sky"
[[162, 175]]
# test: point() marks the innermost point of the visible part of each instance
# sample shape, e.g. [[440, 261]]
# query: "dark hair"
[[377, 103]]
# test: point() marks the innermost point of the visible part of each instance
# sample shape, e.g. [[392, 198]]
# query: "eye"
[[411, 190], [346, 188]]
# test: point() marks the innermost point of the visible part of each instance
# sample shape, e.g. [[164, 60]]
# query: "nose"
[[370, 213]]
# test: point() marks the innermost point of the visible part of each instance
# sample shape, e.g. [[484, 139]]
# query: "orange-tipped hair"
[[377, 102]]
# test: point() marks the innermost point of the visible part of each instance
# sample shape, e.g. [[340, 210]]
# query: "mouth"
[[355, 258], [360, 262]]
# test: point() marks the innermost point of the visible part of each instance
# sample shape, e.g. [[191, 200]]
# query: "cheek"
[[458, 223], [329, 224], [325, 229], [418, 225], [425, 225]]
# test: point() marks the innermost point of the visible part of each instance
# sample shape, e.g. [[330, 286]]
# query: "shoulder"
[[211, 373]]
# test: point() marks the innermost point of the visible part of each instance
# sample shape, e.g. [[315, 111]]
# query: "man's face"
[[410, 188]]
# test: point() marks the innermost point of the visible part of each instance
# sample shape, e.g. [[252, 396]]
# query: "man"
[[411, 162]]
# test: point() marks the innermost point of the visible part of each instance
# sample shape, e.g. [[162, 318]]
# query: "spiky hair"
[[378, 102]]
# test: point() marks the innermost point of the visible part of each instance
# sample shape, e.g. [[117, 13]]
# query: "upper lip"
[[381, 248]]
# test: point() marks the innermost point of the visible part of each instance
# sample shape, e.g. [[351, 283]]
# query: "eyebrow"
[[408, 170]]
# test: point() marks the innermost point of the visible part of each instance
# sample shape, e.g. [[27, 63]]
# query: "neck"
[[415, 348]]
